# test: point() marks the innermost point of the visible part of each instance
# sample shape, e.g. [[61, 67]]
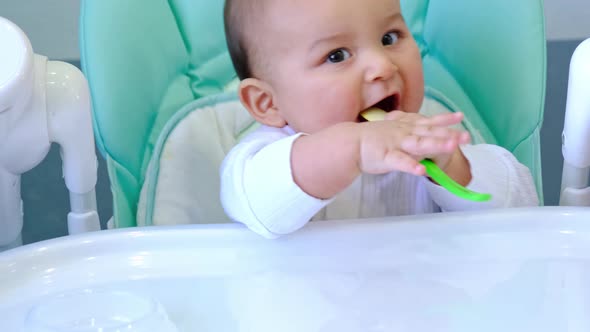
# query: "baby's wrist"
[[458, 168]]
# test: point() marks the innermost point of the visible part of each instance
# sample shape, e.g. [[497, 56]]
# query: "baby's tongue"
[[373, 114]]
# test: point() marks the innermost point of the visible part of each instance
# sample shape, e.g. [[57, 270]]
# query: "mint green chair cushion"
[[145, 60], [489, 59]]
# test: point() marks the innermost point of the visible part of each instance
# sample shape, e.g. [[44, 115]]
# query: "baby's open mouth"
[[388, 104]]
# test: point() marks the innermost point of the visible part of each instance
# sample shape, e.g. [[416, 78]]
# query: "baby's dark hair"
[[237, 19]]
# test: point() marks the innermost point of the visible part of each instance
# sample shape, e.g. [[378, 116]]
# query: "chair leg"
[[11, 212]]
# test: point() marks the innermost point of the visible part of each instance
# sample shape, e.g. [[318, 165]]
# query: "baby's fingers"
[[462, 137], [447, 119], [428, 145], [441, 132], [397, 160]]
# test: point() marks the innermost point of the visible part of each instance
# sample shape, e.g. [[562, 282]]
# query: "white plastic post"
[[11, 213], [70, 125], [42, 102], [576, 131], [23, 131]]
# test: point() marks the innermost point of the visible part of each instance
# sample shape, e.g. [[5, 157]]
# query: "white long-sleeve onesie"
[[258, 190]]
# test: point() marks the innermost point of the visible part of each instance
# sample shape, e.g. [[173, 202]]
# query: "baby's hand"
[[403, 139]]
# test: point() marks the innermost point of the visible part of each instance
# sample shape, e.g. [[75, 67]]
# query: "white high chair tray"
[[505, 270]]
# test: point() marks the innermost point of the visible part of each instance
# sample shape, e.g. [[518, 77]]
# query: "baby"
[[308, 68]]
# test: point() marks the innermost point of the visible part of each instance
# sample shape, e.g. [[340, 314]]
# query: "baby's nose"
[[380, 67]]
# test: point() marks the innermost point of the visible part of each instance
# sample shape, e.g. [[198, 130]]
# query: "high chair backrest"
[[144, 60]]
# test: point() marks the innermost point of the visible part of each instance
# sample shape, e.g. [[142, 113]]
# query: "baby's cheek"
[[414, 97], [416, 88], [345, 100]]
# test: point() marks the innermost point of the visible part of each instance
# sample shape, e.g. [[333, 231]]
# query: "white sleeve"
[[496, 171], [257, 186]]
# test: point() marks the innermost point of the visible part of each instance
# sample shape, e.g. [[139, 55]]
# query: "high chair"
[[576, 132], [157, 68], [502, 270], [43, 102]]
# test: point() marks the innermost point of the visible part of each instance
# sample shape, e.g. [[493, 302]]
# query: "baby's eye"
[[338, 55], [390, 38]]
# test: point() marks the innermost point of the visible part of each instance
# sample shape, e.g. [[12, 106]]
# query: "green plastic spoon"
[[432, 169]]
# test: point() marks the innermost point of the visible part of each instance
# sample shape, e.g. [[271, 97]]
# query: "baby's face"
[[328, 60]]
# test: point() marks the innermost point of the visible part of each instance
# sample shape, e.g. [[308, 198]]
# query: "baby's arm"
[[275, 183], [327, 162], [257, 187]]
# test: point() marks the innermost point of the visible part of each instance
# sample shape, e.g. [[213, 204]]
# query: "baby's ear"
[[257, 96]]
